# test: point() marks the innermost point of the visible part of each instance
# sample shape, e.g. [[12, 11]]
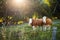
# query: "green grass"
[[25, 32]]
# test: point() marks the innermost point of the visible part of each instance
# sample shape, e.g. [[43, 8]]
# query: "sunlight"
[[19, 1]]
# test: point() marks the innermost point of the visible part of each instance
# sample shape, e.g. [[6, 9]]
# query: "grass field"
[[25, 32]]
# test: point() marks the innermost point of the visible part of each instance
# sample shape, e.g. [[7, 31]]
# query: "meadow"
[[25, 32]]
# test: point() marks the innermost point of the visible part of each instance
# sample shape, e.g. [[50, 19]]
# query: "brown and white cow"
[[44, 22]]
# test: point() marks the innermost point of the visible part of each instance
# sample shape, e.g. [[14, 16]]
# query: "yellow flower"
[[10, 17], [35, 16], [20, 22], [47, 2], [1, 20]]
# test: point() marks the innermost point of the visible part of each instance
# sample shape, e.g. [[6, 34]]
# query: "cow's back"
[[39, 22]]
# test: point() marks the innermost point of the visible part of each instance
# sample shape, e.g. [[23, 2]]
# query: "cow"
[[45, 22]]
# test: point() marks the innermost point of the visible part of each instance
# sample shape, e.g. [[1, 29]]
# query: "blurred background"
[[14, 16], [19, 10], [23, 8]]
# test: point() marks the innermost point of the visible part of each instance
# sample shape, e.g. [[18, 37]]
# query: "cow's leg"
[[41, 28], [44, 28], [34, 27]]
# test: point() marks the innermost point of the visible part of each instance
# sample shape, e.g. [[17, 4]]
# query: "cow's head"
[[30, 21], [44, 19]]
